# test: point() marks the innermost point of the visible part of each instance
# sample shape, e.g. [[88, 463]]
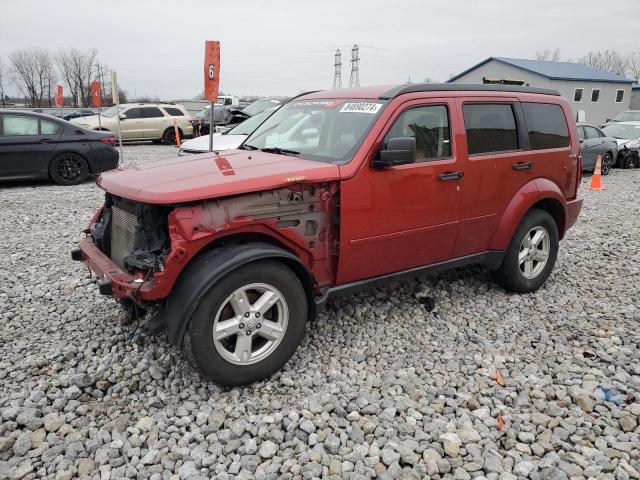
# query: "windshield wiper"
[[279, 151], [246, 146]]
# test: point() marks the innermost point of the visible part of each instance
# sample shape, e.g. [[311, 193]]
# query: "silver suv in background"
[[142, 121]]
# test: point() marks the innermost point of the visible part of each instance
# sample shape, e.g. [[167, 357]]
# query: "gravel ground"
[[380, 387]]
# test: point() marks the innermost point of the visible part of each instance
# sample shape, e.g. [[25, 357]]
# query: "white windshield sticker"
[[360, 107]]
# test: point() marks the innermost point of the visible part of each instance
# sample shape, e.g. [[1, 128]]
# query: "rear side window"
[[592, 132], [546, 125], [491, 128], [19, 125], [151, 112], [174, 112], [429, 125]]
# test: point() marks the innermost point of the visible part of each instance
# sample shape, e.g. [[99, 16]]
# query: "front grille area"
[[123, 233]]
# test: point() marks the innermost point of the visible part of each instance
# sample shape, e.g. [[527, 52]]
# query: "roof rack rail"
[[459, 87]]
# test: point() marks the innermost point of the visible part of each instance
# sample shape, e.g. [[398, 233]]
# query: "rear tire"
[[531, 255], [247, 325], [68, 169], [169, 137]]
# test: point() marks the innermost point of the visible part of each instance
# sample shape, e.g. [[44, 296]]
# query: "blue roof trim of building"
[[554, 70]]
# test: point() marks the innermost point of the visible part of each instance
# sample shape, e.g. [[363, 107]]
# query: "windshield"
[[628, 117], [625, 132], [326, 130], [110, 112], [251, 123], [260, 105]]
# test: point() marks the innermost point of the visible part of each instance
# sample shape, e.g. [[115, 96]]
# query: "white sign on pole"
[[116, 100], [114, 88]]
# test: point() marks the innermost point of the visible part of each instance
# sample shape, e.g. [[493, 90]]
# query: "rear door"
[[132, 126], [496, 165], [26, 144], [155, 122]]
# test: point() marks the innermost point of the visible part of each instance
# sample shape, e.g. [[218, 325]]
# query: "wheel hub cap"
[[534, 252], [250, 323]]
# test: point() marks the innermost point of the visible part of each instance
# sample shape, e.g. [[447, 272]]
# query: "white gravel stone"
[[378, 386]]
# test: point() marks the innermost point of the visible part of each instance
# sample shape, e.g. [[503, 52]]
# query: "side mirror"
[[123, 116], [399, 151]]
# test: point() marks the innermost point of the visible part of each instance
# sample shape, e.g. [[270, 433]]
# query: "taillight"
[[579, 175], [109, 140]]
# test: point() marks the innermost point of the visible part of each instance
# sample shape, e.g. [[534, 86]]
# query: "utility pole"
[[354, 80], [337, 65]]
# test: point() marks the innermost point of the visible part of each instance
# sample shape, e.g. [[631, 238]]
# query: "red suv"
[[336, 191]]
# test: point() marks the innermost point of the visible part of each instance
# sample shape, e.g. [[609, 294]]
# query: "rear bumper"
[[573, 211], [113, 280]]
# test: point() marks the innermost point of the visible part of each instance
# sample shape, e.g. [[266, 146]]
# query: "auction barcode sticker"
[[360, 107]]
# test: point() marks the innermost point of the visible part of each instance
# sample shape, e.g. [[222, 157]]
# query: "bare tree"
[[609, 61], [32, 70], [2, 100], [548, 54], [78, 70], [633, 65]]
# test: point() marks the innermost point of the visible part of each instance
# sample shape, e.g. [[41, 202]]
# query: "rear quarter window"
[[174, 112], [546, 125]]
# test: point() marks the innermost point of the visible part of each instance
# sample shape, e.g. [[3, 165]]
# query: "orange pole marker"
[[500, 423], [596, 179], [175, 126], [499, 379]]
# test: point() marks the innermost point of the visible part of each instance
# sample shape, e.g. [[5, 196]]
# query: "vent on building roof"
[[503, 81]]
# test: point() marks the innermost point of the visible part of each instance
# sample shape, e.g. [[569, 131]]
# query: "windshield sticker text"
[[360, 107]]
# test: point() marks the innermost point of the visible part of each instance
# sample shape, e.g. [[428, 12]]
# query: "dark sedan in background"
[[594, 142], [38, 146]]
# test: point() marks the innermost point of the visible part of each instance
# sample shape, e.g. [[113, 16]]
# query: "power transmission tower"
[[354, 80], [337, 75]]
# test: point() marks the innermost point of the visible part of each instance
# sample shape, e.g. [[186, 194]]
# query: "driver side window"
[[429, 125]]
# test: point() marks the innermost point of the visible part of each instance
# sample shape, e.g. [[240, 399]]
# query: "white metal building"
[[599, 95]]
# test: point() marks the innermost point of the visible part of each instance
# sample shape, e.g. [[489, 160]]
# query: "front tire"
[[532, 253], [247, 325], [68, 169]]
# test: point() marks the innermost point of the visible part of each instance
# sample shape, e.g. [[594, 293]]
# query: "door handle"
[[46, 140], [448, 176], [522, 166]]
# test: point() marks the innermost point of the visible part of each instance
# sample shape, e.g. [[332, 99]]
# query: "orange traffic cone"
[[596, 179]]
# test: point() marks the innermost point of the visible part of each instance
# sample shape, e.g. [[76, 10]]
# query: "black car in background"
[[79, 113], [39, 146]]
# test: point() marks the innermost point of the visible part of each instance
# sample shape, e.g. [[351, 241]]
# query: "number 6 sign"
[[211, 70]]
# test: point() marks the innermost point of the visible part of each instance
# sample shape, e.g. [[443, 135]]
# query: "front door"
[[26, 145], [155, 122], [404, 216]]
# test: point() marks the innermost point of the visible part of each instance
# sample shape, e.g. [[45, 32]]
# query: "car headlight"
[[633, 144]]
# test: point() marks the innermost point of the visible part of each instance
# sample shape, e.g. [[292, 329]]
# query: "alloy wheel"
[[534, 252], [250, 323], [69, 168]]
